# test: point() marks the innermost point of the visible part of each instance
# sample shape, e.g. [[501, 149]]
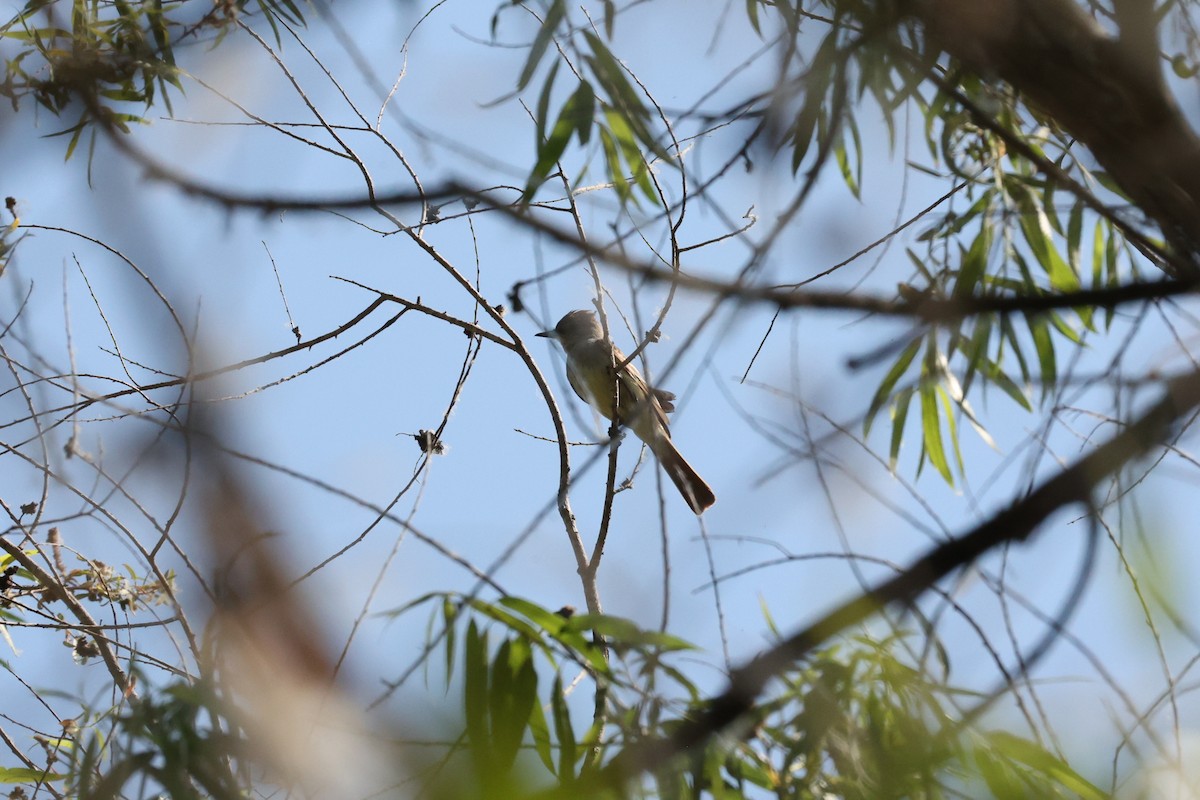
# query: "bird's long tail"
[[698, 494]]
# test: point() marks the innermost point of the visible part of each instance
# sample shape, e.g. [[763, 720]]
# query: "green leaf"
[[974, 262], [1075, 237], [574, 118], [899, 417], [1062, 327], [1009, 334], [1038, 236], [809, 120], [583, 112], [931, 427], [851, 174], [1044, 346], [1112, 262], [1107, 182], [548, 620], [641, 176], [623, 98], [540, 733], [625, 140], [616, 171], [952, 428], [1001, 780], [449, 618], [752, 15], [746, 765], [999, 378], [543, 104], [975, 350], [514, 623], [555, 625], [1098, 254], [567, 749], [411, 604], [889, 382], [621, 631], [512, 696], [1041, 760], [475, 695], [545, 34], [286, 9], [25, 775]]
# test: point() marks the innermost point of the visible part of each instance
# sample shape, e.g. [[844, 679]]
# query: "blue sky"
[[344, 422]]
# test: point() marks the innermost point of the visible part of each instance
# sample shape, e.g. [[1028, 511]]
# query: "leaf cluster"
[[178, 740], [103, 57], [607, 103], [856, 720]]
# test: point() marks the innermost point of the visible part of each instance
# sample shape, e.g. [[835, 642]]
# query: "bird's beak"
[[547, 334]]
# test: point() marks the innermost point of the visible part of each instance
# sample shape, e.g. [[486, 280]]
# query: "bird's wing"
[[637, 398]]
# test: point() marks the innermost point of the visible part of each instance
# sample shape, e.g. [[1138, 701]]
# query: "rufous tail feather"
[[698, 494]]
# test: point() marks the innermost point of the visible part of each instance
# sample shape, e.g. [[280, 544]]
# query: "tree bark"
[[1106, 91]]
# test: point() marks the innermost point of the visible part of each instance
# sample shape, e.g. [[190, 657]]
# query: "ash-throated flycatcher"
[[591, 370]]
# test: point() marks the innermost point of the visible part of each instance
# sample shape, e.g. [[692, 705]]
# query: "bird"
[[592, 361]]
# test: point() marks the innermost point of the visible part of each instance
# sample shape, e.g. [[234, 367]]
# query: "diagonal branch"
[[929, 309], [1106, 92], [1014, 524]]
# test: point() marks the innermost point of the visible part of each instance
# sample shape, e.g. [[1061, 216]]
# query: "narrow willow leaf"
[[514, 623], [25, 775], [616, 172], [625, 139], [1001, 779], [266, 9], [544, 617], [999, 378], [289, 11], [1043, 761], [1075, 238], [641, 176], [975, 350], [475, 695], [899, 417], [1044, 346], [1065, 329], [574, 118], [1009, 334], [952, 427], [583, 113], [545, 34], [1040, 240], [931, 429], [449, 618], [1047, 203], [752, 15], [513, 694], [811, 119], [623, 97], [1112, 266], [974, 262], [1098, 253], [621, 631], [542, 114], [957, 394], [540, 733], [567, 746], [889, 383], [851, 172], [500, 691]]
